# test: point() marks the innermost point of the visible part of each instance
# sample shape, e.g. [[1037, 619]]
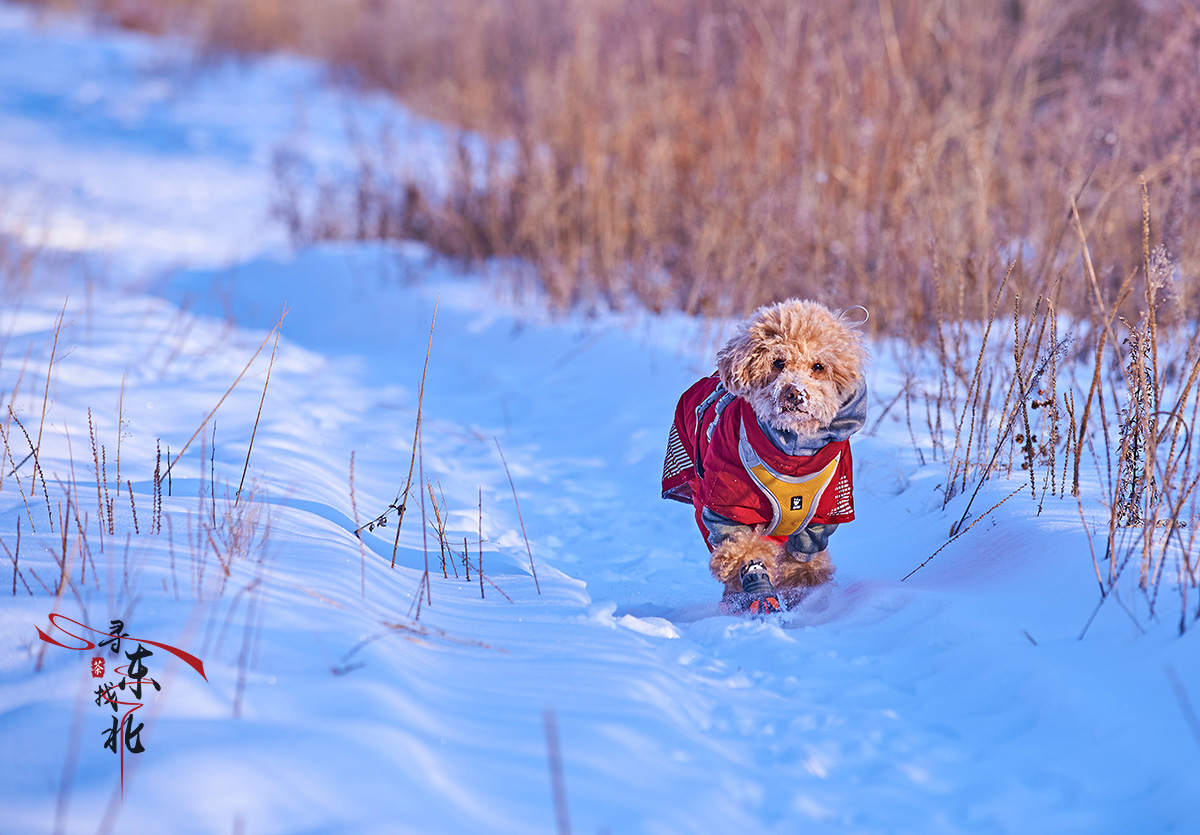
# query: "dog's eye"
[[818, 368], [779, 365]]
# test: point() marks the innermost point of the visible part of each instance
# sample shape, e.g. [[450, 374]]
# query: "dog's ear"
[[738, 361], [848, 357]]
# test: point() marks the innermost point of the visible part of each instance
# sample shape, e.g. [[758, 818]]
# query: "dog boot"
[[757, 596]]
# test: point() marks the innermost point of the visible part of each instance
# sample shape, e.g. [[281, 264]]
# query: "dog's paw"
[[738, 551], [739, 603]]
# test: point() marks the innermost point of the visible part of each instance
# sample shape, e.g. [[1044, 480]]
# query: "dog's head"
[[794, 362]]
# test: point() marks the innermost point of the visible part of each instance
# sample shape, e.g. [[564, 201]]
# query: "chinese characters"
[[121, 699]]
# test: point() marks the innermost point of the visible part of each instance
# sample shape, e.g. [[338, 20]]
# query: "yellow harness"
[[793, 499]]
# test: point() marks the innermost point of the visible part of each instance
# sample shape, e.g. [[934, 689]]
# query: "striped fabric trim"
[[677, 459], [844, 498]]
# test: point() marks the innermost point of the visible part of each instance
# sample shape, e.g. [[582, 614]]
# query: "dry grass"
[[942, 162], [1003, 403], [712, 155]]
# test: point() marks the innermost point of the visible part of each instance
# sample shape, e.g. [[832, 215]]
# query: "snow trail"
[[960, 700]]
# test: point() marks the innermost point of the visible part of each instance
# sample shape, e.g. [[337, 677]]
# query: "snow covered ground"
[[960, 700]]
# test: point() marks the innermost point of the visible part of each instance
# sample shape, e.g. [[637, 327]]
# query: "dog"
[[761, 450]]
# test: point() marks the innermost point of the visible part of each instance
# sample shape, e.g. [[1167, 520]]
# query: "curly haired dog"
[[761, 450]]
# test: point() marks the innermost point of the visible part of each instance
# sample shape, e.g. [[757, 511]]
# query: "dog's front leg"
[[736, 548]]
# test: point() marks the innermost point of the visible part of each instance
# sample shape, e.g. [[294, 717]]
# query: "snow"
[[160, 157], [959, 700]]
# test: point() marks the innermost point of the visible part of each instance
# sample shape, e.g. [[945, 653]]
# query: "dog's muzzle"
[[793, 398]]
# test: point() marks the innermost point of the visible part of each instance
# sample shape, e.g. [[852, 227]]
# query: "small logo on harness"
[[797, 503]]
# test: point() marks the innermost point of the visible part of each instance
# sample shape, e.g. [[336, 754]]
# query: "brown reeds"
[[728, 156], [1149, 383], [1152, 493], [711, 156]]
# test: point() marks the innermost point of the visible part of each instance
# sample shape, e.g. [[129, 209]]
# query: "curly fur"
[[741, 548], [786, 572], [793, 573], [794, 362]]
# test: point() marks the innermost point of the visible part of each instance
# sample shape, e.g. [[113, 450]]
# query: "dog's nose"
[[794, 395]]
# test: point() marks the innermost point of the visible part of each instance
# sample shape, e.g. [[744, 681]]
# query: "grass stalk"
[[558, 783], [120, 430], [424, 527], [37, 470], [208, 417], [440, 527], [956, 535], [257, 417], [17, 476], [517, 502], [16, 560], [479, 551], [46, 392], [402, 503], [362, 549], [133, 507]]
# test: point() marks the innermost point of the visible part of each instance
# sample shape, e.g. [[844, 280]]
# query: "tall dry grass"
[[711, 155], [1042, 396], [954, 165]]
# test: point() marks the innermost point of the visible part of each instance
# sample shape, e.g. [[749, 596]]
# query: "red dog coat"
[[718, 457]]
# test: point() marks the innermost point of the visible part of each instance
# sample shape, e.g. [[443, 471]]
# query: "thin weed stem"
[[120, 430], [133, 507], [362, 549], [517, 502], [204, 423], [558, 782], [479, 550], [258, 416], [46, 392], [402, 503]]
